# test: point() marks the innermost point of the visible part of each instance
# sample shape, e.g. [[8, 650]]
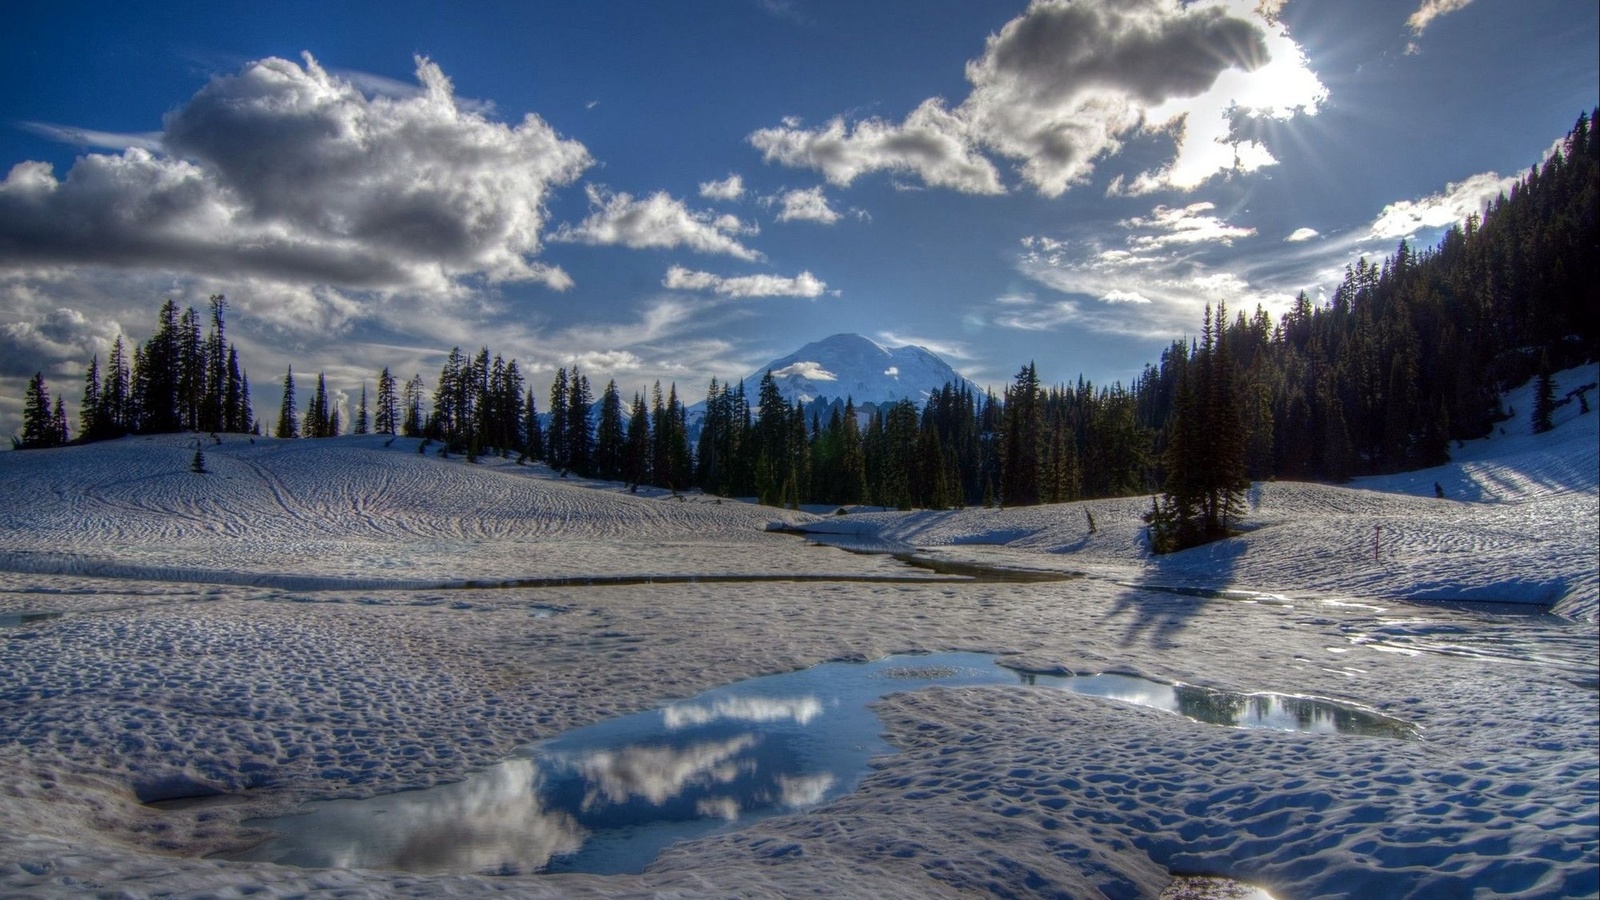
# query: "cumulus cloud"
[[1458, 200], [1066, 83], [804, 206], [730, 188], [932, 143], [805, 284], [288, 172], [658, 221], [64, 338], [1302, 234]]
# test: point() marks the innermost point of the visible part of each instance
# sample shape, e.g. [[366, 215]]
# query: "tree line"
[[1405, 358], [175, 381]]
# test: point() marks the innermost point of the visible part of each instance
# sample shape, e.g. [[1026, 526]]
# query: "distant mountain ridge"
[[858, 368]]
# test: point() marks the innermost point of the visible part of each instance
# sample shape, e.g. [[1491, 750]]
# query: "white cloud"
[[1183, 225], [804, 206], [730, 188], [63, 339], [1117, 295], [1064, 84], [1433, 9], [892, 371], [291, 173], [804, 284], [1458, 200], [609, 362], [812, 371], [85, 137], [656, 222], [932, 143], [1302, 234], [947, 349]]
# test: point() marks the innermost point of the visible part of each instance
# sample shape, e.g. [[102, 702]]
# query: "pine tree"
[[363, 422], [580, 429], [387, 411], [89, 411], [556, 437], [288, 425], [1544, 397], [636, 454], [1023, 440], [413, 425], [38, 421], [609, 436]]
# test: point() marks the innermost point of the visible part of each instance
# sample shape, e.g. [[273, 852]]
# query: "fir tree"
[[556, 436], [1544, 397], [288, 424], [363, 421], [90, 411], [388, 404], [38, 421], [609, 436]]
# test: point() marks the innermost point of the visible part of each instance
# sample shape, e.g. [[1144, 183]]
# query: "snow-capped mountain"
[[849, 365]]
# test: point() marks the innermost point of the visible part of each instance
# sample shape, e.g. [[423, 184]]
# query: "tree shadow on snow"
[[1176, 588]]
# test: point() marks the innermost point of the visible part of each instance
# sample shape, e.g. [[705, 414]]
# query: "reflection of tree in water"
[[1212, 707]]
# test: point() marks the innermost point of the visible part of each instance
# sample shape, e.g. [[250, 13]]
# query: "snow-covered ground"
[[341, 618]]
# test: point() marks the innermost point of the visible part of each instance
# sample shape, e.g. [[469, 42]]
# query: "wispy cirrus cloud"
[[658, 221]]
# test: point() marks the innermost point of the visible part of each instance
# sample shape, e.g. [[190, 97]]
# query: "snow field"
[[295, 626]]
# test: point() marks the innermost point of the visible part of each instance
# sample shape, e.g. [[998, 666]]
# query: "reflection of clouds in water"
[[743, 709], [805, 790], [658, 774], [725, 808], [493, 822]]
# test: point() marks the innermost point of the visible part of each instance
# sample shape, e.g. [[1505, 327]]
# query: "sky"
[[660, 191]]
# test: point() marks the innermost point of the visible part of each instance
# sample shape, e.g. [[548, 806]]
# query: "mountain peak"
[[851, 365]]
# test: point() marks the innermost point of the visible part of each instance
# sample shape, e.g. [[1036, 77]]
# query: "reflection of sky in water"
[[609, 797]]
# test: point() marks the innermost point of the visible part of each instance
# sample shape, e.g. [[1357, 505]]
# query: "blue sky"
[[675, 192]]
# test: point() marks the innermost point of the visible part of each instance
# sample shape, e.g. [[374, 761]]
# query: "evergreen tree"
[[556, 436], [609, 436], [1544, 397], [90, 411], [413, 424], [1023, 439], [580, 428], [288, 424], [38, 421], [318, 422], [363, 421], [114, 392], [387, 412], [636, 452]]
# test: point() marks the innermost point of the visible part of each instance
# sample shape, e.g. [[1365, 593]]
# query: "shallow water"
[[609, 797], [18, 619]]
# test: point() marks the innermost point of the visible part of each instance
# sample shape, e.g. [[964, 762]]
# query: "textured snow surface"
[[298, 624]]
